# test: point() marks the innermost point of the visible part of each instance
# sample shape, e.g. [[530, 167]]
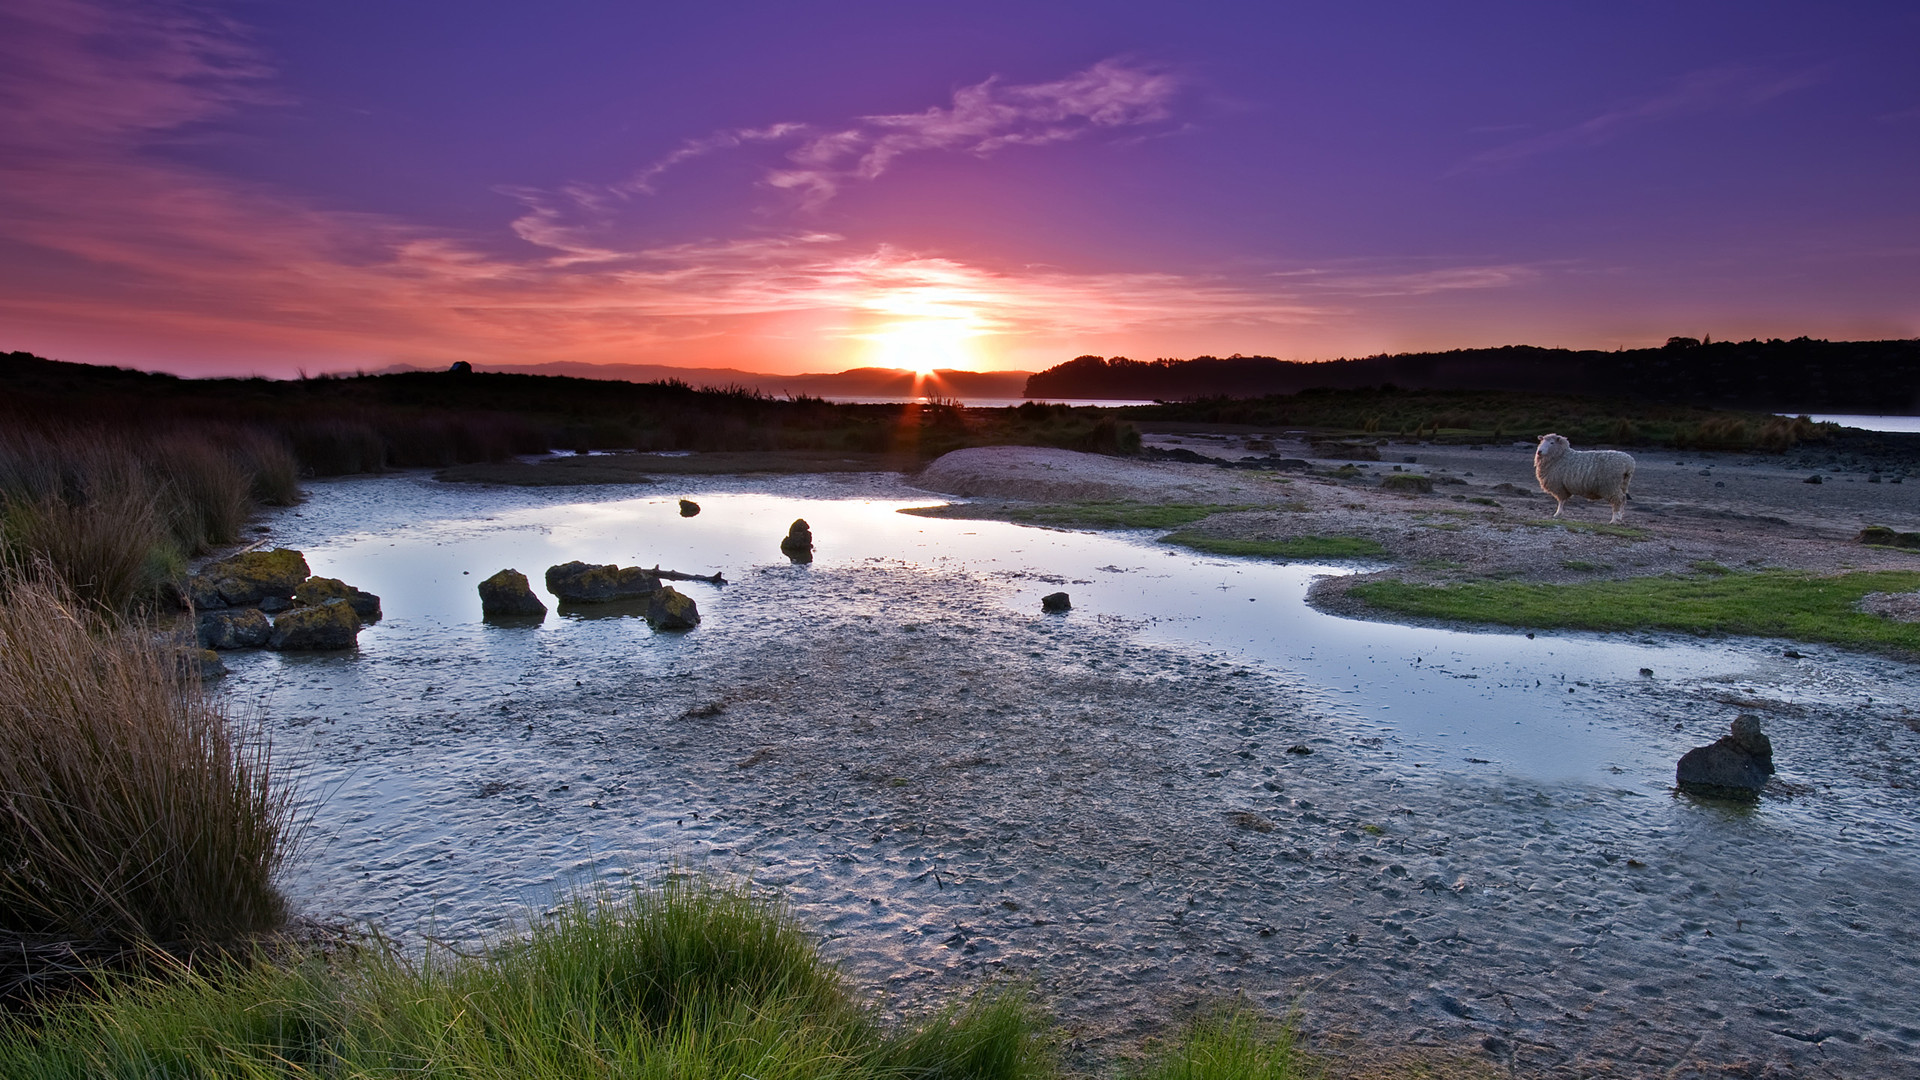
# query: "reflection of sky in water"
[[1529, 707]]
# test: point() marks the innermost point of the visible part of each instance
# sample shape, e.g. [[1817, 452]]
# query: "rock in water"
[[670, 609], [243, 628], [582, 583], [1056, 602], [331, 625], [506, 595], [798, 545], [249, 579], [1735, 767], [688, 508], [318, 590]]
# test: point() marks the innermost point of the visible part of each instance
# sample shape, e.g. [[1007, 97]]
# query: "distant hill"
[[1802, 375], [856, 382]]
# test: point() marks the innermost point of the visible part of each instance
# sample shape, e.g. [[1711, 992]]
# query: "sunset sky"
[[273, 186]]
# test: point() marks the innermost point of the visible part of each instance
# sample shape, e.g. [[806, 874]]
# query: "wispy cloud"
[[982, 119], [1711, 90]]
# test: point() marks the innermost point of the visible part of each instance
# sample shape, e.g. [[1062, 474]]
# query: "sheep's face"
[[1552, 446]]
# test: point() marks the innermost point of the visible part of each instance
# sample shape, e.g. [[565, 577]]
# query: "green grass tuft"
[[680, 980], [1768, 603], [1232, 1044], [1293, 547]]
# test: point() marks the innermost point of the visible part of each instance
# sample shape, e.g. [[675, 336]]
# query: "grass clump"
[[1766, 603], [1292, 547], [1231, 1044], [679, 980], [133, 813]]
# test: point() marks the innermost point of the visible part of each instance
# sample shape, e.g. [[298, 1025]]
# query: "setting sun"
[[924, 345]]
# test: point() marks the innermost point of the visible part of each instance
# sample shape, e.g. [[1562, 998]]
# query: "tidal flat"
[[1190, 787]]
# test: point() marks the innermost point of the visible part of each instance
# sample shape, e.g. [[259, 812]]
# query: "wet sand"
[[947, 790]]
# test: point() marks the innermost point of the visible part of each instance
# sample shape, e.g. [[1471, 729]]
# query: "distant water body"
[[1869, 423]]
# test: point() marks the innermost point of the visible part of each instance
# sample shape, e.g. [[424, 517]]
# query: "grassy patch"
[[1578, 564], [1084, 515], [1233, 1044], [1768, 603], [683, 980], [1293, 547], [1601, 527]]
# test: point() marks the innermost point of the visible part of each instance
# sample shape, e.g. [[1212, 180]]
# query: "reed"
[[133, 811]]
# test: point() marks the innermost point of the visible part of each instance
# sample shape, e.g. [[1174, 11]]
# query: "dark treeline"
[[1802, 375], [337, 425]]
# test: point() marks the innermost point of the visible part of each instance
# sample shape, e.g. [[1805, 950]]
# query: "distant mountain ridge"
[[855, 382], [1801, 375]]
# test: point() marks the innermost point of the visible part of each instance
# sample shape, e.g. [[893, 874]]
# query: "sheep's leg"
[[1619, 511], [1559, 504]]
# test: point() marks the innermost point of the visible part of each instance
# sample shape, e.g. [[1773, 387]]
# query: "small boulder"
[[798, 545], [507, 595], [1054, 603], [1409, 483], [250, 579], [319, 590], [1882, 536], [1736, 766], [583, 583], [209, 663], [670, 609], [689, 508], [239, 628], [330, 625]]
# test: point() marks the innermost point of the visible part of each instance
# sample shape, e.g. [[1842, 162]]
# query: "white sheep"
[[1564, 472]]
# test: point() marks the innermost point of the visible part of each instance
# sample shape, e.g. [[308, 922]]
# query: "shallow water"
[[943, 779]]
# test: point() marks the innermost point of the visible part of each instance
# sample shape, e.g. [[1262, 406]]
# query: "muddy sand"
[[948, 791]]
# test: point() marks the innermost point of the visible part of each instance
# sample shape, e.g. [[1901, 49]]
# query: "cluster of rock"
[[1734, 767], [507, 594], [271, 599]]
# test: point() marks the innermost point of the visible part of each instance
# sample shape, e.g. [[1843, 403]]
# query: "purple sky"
[[264, 187]]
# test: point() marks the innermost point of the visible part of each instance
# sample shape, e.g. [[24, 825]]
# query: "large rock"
[[318, 590], [249, 579], [1736, 766], [1408, 483], [798, 544], [1054, 603], [670, 609], [239, 628], [583, 583], [331, 625], [506, 595]]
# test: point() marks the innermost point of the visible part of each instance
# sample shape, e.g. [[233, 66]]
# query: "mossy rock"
[[1409, 483], [670, 609], [507, 595], [583, 583], [246, 579], [242, 628], [1882, 536], [332, 625], [318, 590]]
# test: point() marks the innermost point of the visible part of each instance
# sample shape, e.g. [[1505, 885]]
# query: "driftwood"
[[675, 575]]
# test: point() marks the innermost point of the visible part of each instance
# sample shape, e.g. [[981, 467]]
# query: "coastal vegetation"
[[683, 978], [1774, 375], [1771, 603], [139, 821], [1291, 547]]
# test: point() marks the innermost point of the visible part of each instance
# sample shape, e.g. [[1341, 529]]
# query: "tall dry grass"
[[133, 809], [117, 514]]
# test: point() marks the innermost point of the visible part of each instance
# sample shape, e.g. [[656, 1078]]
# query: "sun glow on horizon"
[[924, 346]]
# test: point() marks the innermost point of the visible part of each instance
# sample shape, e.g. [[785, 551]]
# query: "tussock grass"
[[116, 515], [1292, 547], [684, 979], [1769, 603], [133, 811]]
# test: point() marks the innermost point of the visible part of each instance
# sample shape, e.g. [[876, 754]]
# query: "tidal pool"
[[1478, 837]]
